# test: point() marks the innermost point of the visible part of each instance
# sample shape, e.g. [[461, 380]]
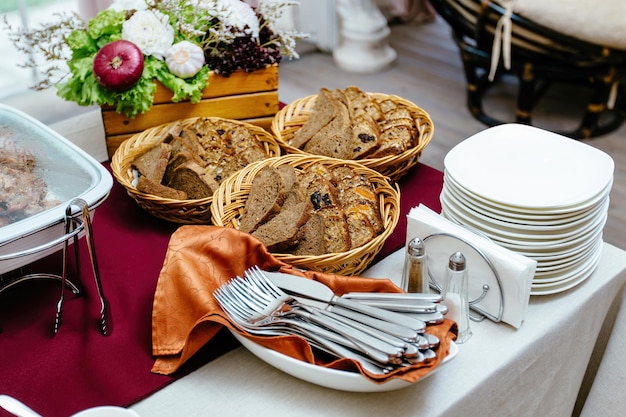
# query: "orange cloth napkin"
[[186, 316]]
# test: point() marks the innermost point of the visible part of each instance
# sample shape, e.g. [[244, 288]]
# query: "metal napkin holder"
[[75, 224], [482, 314]]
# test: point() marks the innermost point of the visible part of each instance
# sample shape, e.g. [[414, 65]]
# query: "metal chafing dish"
[[73, 185]]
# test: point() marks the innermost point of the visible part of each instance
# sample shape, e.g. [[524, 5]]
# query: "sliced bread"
[[153, 162], [323, 111], [312, 241], [335, 139], [336, 233], [284, 230], [267, 194], [360, 229], [146, 185], [192, 179], [366, 136]]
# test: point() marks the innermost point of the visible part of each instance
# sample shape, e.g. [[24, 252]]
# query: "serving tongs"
[[104, 322]]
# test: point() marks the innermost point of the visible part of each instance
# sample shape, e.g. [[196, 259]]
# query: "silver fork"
[[322, 339], [272, 302], [258, 308]]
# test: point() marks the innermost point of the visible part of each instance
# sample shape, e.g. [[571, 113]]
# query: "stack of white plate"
[[537, 193]]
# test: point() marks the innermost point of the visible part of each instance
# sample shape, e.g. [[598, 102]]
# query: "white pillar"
[[363, 45]]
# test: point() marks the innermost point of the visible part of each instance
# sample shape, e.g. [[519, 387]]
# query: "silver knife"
[[320, 292], [399, 331], [403, 306], [394, 296]]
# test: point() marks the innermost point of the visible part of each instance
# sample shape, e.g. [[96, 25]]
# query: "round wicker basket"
[[229, 201], [291, 118], [177, 211]]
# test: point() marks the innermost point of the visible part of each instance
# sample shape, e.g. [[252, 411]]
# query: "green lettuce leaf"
[[183, 89]]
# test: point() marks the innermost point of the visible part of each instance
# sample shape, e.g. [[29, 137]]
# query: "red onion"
[[118, 65]]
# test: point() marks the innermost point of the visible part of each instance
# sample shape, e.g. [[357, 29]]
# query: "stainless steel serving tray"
[[69, 173]]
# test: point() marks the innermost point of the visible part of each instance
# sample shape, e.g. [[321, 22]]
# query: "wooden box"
[[250, 97]]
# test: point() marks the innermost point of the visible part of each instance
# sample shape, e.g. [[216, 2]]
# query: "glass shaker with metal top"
[[415, 273], [455, 295]]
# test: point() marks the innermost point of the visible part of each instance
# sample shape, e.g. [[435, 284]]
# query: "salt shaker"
[[454, 295], [415, 273]]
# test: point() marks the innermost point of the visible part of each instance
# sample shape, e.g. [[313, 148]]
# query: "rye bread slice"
[[284, 230], [174, 162], [335, 139], [288, 175], [324, 110], [265, 199], [145, 185], [192, 179], [153, 162], [312, 241]]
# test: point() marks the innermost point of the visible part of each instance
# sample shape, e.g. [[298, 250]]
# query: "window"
[[20, 13]]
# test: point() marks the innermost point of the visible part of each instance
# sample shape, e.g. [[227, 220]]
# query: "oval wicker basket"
[[177, 211], [291, 118], [229, 201]]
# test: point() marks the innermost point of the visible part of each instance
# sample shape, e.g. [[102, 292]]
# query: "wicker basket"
[[229, 201], [176, 211], [291, 117]]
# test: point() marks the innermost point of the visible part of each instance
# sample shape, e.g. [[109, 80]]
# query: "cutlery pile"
[[380, 331]]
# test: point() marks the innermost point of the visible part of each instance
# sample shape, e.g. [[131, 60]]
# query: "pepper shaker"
[[455, 295], [415, 272]]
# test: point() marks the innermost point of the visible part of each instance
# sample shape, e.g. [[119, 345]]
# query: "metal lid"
[[416, 247], [457, 261]]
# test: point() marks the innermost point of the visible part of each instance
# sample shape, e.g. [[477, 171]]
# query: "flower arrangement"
[[114, 58]]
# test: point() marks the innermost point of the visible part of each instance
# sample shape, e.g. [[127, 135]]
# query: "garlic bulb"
[[184, 59]]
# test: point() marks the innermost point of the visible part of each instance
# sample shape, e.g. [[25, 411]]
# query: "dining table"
[[566, 358]]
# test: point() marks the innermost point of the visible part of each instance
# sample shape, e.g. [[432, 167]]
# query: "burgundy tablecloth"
[[79, 368]]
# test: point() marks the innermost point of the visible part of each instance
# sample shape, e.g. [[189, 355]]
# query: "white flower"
[[150, 31], [129, 5], [233, 14]]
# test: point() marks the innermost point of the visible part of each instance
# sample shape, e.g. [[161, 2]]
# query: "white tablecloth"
[[537, 370]]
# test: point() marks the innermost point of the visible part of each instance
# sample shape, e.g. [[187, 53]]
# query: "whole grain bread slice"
[[323, 111], [284, 230], [366, 136], [153, 162], [336, 233], [174, 162], [335, 139], [361, 103], [359, 227], [265, 199], [145, 185], [312, 241], [192, 179]]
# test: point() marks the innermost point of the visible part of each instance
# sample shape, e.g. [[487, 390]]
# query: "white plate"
[[569, 272], [524, 242], [525, 212], [523, 166], [106, 411], [524, 220], [568, 284], [519, 233], [330, 378]]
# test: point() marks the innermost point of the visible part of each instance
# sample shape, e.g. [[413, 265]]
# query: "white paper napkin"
[[515, 271]]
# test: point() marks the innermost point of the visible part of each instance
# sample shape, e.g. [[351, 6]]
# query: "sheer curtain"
[[89, 8]]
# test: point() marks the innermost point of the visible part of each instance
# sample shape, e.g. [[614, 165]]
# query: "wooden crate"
[[251, 97]]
